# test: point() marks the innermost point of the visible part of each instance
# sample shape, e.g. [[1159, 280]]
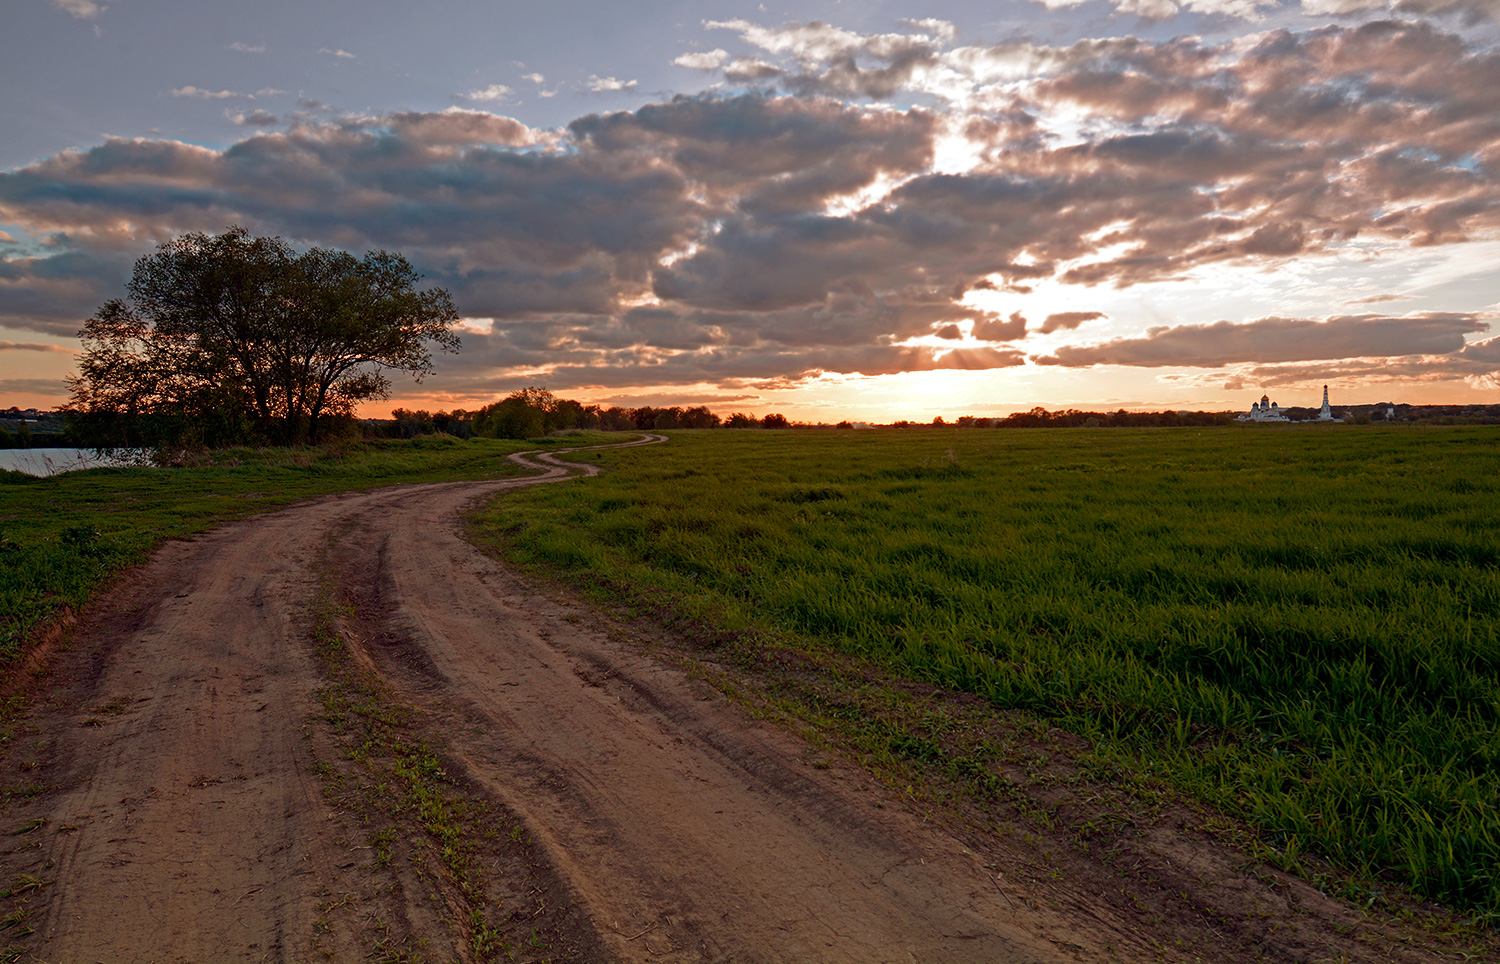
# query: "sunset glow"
[[829, 213]]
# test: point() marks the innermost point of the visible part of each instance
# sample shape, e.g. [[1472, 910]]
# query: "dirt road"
[[174, 792]]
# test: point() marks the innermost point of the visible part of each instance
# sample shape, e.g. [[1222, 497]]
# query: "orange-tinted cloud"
[[1280, 340], [767, 236]]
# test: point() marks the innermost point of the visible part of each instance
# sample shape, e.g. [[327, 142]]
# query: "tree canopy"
[[230, 336]]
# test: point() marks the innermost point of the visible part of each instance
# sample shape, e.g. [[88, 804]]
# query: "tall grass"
[[1298, 626]]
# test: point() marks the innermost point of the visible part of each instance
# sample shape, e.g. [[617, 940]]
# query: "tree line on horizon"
[[535, 412], [532, 412]]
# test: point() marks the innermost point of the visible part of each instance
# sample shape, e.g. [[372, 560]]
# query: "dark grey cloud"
[[33, 386], [1472, 11], [455, 126], [761, 153], [54, 293], [653, 346], [832, 61], [1477, 363], [1067, 320], [760, 236], [1001, 329], [1379, 299], [717, 400], [255, 118], [1280, 340], [748, 367], [33, 346]]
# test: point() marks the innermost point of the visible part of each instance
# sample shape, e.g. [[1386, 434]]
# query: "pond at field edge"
[[53, 461]]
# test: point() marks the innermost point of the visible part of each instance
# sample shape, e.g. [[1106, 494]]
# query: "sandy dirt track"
[[174, 761]]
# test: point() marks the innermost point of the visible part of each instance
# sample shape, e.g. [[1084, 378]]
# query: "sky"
[[866, 211]]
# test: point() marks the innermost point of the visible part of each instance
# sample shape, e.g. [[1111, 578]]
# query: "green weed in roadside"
[[63, 536], [1297, 626]]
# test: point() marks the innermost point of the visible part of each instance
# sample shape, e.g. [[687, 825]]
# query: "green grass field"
[[1297, 626], [62, 537]]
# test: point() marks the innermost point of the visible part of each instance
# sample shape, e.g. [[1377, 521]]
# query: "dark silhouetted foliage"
[[229, 337]]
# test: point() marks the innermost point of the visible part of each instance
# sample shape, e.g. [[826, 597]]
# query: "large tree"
[[231, 332]]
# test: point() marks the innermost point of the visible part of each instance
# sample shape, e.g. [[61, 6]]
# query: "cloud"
[[1378, 299], [1067, 320], [603, 85], [742, 237], [751, 70], [255, 118], [808, 42], [35, 346], [1340, 8], [200, 93], [1477, 363], [458, 126], [341, 54], [1147, 9], [494, 92], [313, 106], [996, 329], [756, 154], [53, 294], [81, 9], [707, 60], [941, 29], [34, 386], [539, 80], [1280, 340], [244, 48], [1469, 11], [827, 60], [695, 398]]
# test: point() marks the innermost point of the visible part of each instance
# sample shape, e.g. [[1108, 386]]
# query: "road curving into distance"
[[169, 784]]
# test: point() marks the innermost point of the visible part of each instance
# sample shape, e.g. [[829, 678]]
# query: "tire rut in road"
[[166, 772], [688, 832], [185, 821]]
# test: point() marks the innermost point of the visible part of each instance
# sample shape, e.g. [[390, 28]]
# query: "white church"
[[1265, 410]]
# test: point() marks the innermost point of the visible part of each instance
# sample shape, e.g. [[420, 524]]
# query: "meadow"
[[1296, 625], [64, 536]]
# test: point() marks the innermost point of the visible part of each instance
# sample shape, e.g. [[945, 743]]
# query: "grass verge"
[[1297, 628], [62, 537]]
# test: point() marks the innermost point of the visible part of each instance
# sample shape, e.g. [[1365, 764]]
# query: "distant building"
[[1326, 414], [1264, 410]]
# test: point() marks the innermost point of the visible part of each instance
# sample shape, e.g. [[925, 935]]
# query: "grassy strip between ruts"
[[422, 826], [62, 537], [1298, 627]]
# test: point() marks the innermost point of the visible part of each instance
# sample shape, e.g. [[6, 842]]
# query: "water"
[[53, 461]]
